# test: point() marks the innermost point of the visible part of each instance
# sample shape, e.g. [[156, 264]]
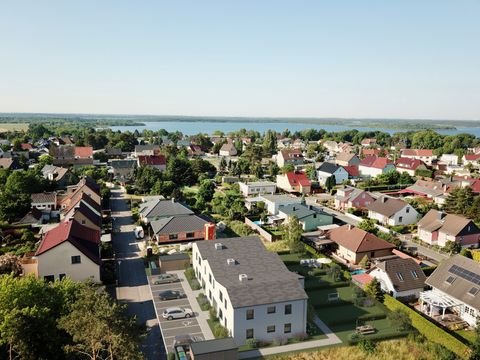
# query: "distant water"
[[195, 127]]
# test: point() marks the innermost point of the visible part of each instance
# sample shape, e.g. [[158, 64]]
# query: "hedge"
[[430, 330], [339, 284]]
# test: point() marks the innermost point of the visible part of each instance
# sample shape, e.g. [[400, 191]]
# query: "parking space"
[[174, 327]]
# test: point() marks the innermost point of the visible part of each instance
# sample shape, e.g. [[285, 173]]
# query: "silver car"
[[165, 279], [177, 313]]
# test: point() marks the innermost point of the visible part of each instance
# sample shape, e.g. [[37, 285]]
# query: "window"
[[400, 276], [450, 279], [288, 309], [210, 278], [49, 278], [190, 234], [250, 314], [83, 222], [473, 291], [271, 310], [76, 259], [173, 236], [220, 295], [249, 334], [220, 314], [414, 274], [408, 210], [61, 276], [210, 294], [270, 328], [287, 328], [400, 219]]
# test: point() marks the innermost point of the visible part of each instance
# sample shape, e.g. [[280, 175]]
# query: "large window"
[[76, 259], [49, 278], [250, 314], [249, 334], [190, 235], [288, 309], [270, 328]]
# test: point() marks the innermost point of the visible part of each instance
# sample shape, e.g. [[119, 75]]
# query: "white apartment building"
[[257, 188], [254, 294]]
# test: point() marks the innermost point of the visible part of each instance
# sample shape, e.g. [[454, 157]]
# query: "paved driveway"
[[172, 328]]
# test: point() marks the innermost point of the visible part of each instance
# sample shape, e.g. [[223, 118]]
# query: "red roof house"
[[294, 182]]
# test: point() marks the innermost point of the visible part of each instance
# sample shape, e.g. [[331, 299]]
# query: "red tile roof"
[[84, 239], [472, 157], [375, 162], [408, 163], [352, 170], [298, 177], [83, 151], [26, 146], [417, 152], [154, 160], [357, 240]]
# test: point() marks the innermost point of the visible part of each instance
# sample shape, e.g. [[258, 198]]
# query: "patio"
[[441, 308]]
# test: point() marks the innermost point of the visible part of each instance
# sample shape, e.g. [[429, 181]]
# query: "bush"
[[171, 356], [190, 273], [195, 285], [219, 331], [429, 330], [251, 343], [203, 302], [367, 346], [213, 314]]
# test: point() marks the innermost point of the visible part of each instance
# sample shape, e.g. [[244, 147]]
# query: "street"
[[132, 286]]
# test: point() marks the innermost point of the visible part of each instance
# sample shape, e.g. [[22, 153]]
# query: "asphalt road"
[[132, 286]]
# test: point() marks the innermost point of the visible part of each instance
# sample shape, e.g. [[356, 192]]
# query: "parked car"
[[139, 233], [177, 313], [170, 295], [165, 279], [181, 353]]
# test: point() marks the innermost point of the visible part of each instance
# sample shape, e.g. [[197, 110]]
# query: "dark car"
[[170, 295]]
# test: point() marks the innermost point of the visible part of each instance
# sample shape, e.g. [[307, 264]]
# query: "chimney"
[[218, 246], [294, 208], [231, 261], [349, 227], [310, 207]]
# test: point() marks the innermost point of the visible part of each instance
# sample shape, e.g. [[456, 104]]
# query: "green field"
[[4, 127]]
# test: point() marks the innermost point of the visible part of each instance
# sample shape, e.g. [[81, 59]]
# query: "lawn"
[[5, 127], [468, 335], [342, 316]]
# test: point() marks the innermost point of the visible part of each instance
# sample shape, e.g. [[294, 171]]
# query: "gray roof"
[[269, 280], [212, 346], [157, 208], [300, 211], [140, 148], [459, 288], [282, 199], [407, 268], [328, 168], [45, 197], [123, 164], [177, 224], [387, 206]]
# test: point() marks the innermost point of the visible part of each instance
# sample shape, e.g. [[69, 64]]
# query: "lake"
[[195, 127]]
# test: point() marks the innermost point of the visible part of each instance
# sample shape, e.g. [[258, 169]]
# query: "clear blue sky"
[[358, 58]]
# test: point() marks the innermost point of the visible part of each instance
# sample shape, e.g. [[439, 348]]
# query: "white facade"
[[387, 285], [405, 216], [58, 262], [368, 171], [268, 322], [257, 188], [340, 174], [449, 159], [273, 204]]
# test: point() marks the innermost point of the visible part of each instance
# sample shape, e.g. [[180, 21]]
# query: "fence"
[[263, 233]]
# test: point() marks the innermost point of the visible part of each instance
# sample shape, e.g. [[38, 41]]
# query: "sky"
[[297, 58]]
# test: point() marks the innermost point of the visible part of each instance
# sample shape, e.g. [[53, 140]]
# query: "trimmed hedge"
[[339, 284], [429, 330]]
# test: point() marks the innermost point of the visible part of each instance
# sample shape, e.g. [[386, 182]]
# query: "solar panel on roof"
[[465, 274]]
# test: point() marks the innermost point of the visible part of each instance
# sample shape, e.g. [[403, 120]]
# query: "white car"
[[177, 313]]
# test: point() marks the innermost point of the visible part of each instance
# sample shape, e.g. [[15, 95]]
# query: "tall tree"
[[293, 234]]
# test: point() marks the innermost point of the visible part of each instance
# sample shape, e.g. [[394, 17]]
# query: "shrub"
[[190, 273], [251, 343], [195, 285], [219, 331], [429, 330], [171, 356], [367, 346], [213, 314]]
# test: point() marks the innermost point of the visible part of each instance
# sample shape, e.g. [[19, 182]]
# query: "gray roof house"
[[325, 170], [179, 228], [255, 294], [402, 278], [156, 209], [456, 287], [309, 217]]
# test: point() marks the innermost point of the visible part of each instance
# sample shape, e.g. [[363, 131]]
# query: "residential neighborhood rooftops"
[[375, 162], [298, 178], [154, 160], [357, 240], [387, 206], [459, 277], [408, 163], [268, 279], [45, 197], [83, 151], [327, 167], [123, 163], [298, 210], [417, 152]]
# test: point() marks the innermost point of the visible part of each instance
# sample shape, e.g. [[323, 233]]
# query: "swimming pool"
[[357, 272]]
